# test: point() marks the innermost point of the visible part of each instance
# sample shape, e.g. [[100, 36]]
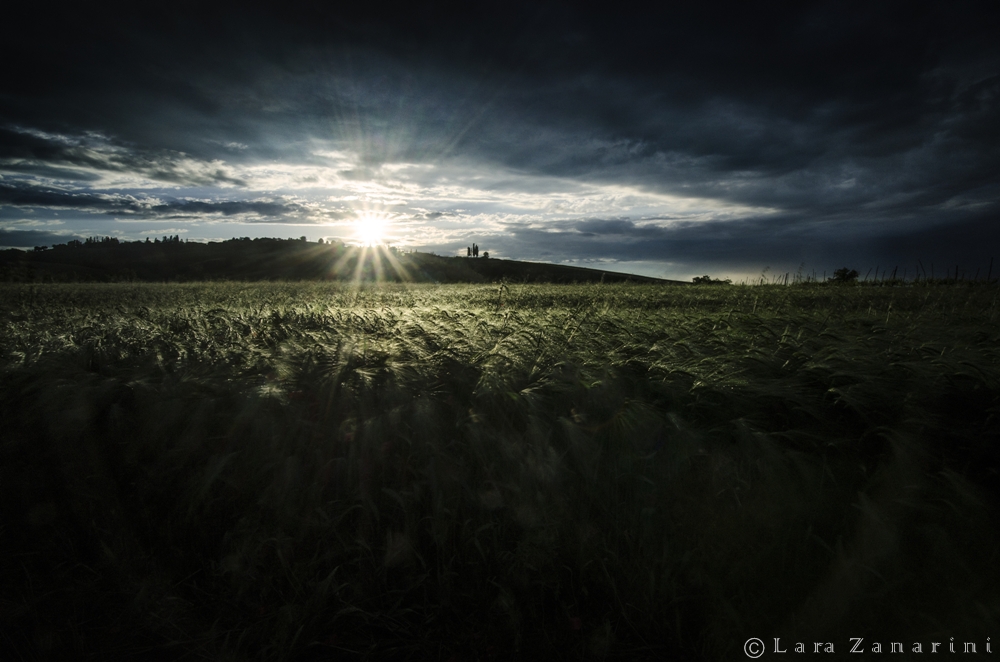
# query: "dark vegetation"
[[844, 275], [708, 280], [330, 472], [171, 260]]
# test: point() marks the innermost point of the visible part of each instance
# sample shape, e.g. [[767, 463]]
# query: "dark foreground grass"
[[312, 472]]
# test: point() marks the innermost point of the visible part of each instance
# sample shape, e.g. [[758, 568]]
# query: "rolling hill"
[[108, 259]]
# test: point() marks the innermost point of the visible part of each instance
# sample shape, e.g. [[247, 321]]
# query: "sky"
[[664, 139]]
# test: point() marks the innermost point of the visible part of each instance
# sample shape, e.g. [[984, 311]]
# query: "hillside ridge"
[[263, 259]]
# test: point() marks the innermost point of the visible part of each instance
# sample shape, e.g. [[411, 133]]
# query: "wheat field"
[[286, 471]]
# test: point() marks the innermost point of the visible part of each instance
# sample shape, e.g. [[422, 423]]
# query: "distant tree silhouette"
[[468, 251], [843, 275], [708, 280], [94, 241], [475, 250], [486, 254]]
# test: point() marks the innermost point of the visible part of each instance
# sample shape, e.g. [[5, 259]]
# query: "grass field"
[[479, 472]]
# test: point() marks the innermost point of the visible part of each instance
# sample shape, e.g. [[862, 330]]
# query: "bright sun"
[[370, 230]]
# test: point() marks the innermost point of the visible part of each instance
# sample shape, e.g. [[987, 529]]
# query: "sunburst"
[[371, 230]]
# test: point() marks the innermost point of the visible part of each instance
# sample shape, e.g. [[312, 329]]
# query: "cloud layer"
[[723, 138]]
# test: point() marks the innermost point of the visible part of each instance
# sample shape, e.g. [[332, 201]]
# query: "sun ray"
[[371, 230], [371, 258]]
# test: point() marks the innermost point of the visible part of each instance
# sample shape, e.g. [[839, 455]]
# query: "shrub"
[[843, 275], [708, 280]]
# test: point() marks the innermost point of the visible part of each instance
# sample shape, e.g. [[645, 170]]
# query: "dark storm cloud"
[[758, 155], [52, 155], [52, 172], [424, 215], [781, 240], [826, 114], [27, 238], [623, 239], [133, 207], [969, 242]]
